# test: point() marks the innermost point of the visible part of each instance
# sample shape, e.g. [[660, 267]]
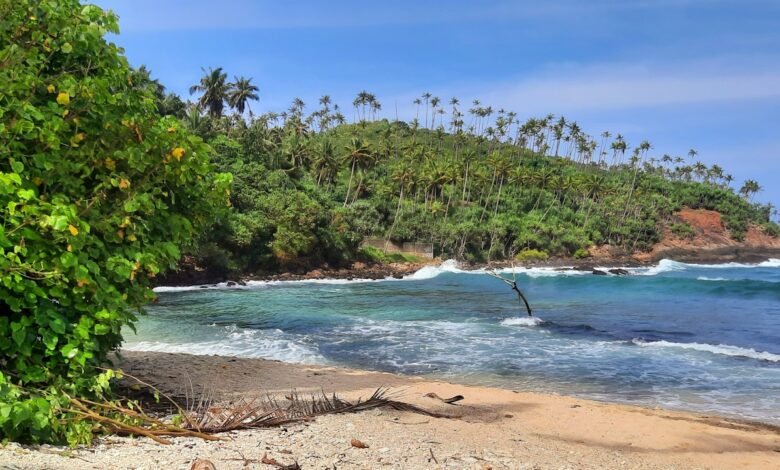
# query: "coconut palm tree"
[[324, 162], [241, 92], [215, 91], [749, 189], [358, 154]]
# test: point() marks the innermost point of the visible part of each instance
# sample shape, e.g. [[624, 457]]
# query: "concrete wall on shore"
[[421, 250]]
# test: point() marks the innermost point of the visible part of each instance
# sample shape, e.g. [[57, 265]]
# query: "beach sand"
[[490, 428]]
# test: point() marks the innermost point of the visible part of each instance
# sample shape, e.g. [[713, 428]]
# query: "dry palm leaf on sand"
[[204, 418], [269, 412]]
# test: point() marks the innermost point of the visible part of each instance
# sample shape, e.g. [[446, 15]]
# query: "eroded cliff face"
[[712, 242]]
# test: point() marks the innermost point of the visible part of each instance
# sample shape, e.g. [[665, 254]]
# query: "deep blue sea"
[[693, 337]]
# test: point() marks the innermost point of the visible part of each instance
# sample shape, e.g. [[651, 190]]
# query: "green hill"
[[477, 183]]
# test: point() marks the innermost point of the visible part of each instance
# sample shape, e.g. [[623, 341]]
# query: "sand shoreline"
[[490, 428]]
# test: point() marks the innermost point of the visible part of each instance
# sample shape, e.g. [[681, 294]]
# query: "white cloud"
[[566, 88]]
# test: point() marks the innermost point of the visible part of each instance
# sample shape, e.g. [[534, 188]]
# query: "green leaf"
[[69, 351], [101, 329]]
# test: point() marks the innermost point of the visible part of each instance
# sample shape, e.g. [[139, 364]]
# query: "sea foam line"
[[722, 349], [452, 266]]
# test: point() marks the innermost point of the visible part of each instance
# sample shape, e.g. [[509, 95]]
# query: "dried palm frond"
[[269, 412], [203, 417]]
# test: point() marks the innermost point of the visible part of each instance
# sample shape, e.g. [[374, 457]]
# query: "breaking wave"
[[722, 349], [233, 341]]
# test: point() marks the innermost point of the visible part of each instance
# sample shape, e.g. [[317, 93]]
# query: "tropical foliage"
[[479, 183], [98, 194]]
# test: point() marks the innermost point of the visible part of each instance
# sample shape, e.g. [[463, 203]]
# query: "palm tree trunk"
[[349, 185]]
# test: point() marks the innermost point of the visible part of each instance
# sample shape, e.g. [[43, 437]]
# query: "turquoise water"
[[704, 338]]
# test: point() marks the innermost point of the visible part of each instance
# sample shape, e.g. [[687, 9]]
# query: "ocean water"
[[684, 336]]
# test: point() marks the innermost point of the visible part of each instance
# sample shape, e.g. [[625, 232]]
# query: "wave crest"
[[722, 349]]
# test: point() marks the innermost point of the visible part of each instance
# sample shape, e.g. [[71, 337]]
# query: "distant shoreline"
[[375, 271]]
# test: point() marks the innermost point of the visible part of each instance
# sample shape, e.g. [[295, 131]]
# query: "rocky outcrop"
[[712, 242]]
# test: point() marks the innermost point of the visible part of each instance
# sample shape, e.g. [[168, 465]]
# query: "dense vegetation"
[[480, 184], [105, 178], [98, 194]]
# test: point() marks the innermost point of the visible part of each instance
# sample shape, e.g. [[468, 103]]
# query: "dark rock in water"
[[203, 287], [597, 272], [231, 284], [398, 276], [619, 272], [583, 268]]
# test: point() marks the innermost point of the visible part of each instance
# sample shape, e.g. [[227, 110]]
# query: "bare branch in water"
[[512, 283]]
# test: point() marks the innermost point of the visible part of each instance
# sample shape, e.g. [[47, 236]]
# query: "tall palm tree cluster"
[[215, 91], [479, 183]]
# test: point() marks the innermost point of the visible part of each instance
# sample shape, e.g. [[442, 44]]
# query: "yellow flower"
[[178, 152], [124, 183], [63, 98], [110, 164], [50, 88], [73, 230], [171, 130]]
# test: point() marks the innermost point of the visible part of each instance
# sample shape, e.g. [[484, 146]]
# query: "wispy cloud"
[[566, 88]]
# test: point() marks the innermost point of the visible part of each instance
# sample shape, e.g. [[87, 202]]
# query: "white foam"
[[667, 265], [521, 321], [544, 272], [239, 342], [722, 349], [430, 272], [705, 278], [663, 266], [221, 285]]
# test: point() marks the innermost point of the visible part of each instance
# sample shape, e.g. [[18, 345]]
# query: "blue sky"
[[702, 74]]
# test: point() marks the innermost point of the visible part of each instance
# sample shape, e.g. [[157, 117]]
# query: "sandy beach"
[[490, 428]]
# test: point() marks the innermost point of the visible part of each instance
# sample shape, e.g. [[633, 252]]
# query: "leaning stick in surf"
[[512, 283]]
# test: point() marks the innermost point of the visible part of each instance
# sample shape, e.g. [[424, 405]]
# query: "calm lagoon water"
[[703, 338]]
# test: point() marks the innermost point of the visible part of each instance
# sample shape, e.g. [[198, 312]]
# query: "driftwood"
[[448, 401], [512, 283]]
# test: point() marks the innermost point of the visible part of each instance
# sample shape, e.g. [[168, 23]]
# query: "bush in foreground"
[[97, 196]]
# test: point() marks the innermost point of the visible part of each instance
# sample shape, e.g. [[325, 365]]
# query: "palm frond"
[[269, 412]]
